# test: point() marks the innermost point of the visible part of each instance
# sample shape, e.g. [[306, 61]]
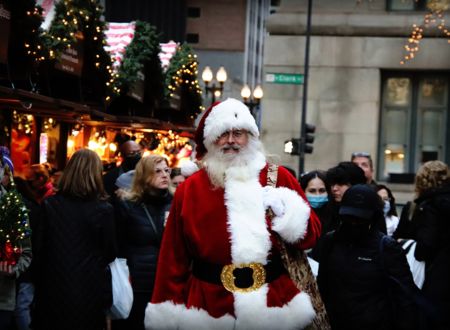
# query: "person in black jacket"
[[340, 178], [433, 238], [354, 277], [74, 244], [141, 219]]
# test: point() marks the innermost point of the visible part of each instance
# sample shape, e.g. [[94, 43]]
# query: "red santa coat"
[[224, 226]]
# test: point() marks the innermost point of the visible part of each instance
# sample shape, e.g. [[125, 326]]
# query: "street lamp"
[[221, 77], [254, 101]]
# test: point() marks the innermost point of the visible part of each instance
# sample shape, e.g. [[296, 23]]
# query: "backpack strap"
[[413, 293], [272, 175]]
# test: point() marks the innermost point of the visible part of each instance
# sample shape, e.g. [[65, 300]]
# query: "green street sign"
[[285, 78]]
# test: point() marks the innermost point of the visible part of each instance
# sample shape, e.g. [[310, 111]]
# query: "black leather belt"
[[242, 278]]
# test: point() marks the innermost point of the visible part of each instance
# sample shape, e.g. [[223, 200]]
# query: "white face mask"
[[386, 207]]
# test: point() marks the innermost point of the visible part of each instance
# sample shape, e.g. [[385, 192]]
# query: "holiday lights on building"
[[434, 18], [75, 21], [181, 75]]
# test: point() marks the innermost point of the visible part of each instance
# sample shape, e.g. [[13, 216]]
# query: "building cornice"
[[387, 24]]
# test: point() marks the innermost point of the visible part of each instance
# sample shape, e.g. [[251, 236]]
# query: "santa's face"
[[232, 141], [232, 152]]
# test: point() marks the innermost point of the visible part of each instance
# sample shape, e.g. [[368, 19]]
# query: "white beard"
[[247, 162]]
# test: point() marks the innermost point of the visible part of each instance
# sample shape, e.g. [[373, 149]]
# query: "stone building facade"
[[360, 97]]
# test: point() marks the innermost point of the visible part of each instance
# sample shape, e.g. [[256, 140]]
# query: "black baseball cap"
[[360, 201]]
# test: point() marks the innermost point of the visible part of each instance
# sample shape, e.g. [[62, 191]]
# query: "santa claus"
[[219, 265]]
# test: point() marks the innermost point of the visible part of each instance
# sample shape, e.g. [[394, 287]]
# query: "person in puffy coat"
[[356, 271], [142, 211], [432, 235], [74, 243]]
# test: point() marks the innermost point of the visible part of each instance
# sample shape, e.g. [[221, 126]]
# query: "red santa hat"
[[222, 117]]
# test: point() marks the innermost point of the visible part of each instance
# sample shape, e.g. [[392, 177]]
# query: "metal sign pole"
[[301, 164]]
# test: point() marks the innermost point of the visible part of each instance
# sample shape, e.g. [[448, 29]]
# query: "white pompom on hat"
[[188, 168], [222, 117]]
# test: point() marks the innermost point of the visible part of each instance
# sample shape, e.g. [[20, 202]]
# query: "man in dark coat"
[[131, 154], [355, 272]]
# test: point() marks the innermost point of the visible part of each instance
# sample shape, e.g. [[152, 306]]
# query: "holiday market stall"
[[69, 80], [40, 129]]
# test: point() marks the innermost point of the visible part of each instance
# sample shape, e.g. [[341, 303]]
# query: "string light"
[[14, 224], [186, 77], [435, 18], [49, 124], [71, 18], [23, 122]]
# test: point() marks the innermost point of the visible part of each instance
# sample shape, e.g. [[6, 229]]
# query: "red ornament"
[[9, 254]]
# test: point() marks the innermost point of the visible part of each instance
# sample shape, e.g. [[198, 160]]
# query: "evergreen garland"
[[25, 40], [181, 77], [144, 47], [25, 44], [85, 16], [13, 224]]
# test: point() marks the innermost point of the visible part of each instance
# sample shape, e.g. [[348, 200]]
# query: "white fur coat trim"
[[249, 236], [168, 315], [251, 313], [293, 224]]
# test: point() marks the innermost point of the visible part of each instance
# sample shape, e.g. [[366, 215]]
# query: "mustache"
[[230, 146]]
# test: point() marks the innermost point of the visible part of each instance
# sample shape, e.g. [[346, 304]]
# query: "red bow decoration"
[[9, 254]]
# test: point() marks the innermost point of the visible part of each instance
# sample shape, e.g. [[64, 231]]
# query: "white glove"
[[272, 199]]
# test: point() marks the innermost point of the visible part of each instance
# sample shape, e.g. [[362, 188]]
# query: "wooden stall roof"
[[72, 112]]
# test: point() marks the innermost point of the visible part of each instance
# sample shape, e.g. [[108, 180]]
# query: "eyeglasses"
[[361, 154], [235, 133], [166, 171]]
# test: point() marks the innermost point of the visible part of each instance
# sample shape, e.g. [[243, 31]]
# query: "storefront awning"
[[72, 112]]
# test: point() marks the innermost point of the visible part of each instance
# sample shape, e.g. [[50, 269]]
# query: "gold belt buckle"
[[227, 277]]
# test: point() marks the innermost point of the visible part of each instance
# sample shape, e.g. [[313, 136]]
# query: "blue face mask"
[[317, 201], [386, 207]]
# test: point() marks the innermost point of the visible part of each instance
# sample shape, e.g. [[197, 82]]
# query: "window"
[[414, 121], [193, 12], [407, 5], [192, 38]]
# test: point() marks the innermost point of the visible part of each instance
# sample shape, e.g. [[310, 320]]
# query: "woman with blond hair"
[[141, 214], [74, 243], [433, 238]]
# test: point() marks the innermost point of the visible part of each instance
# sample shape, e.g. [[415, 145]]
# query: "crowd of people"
[[203, 244]]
